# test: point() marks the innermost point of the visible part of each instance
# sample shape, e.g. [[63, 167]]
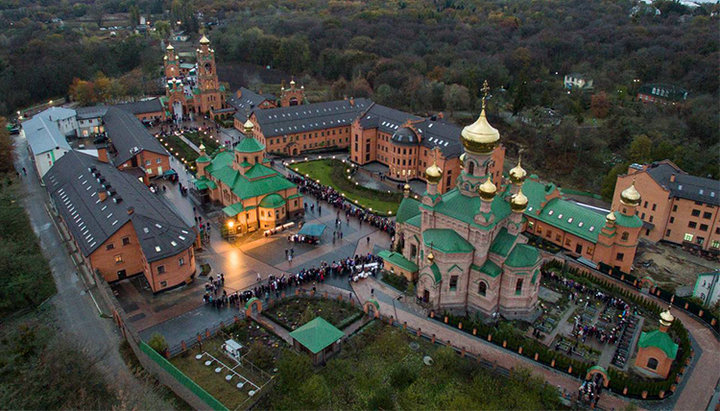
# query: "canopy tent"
[[312, 230]]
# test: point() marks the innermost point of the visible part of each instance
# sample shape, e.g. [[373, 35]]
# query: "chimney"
[[672, 178], [260, 91], [440, 115], [238, 93], [102, 195], [102, 154], [130, 210], [352, 101]]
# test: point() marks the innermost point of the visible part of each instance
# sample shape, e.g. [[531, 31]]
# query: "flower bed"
[[293, 312]]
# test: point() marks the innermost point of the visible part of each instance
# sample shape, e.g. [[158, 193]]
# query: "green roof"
[[491, 269], [572, 218], [316, 335], [233, 209], [273, 200], [522, 255], [409, 208], [503, 243], [296, 195], [415, 221], [436, 273], [446, 241], [312, 230], [632, 221], [259, 171], [659, 340], [463, 208], [398, 260], [249, 145], [536, 191], [221, 168], [202, 183], [203, 159]]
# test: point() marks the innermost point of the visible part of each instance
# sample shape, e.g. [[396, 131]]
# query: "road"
[[76, 313]]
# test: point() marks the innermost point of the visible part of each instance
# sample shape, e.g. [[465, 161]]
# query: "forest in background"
[[423, 56]]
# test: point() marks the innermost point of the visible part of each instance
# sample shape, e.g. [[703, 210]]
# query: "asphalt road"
[[77, 315]]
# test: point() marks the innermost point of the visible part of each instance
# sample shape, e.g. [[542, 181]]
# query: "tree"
[[640, 149], [83, 92], [162, 28], [600, 105], [608, 184], [134, 12], [157, 342], [7, 148], [456, 97]]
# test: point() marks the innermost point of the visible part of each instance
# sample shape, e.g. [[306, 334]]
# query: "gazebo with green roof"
[[319, 338]]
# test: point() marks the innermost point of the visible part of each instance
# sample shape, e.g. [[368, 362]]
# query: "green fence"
[[182, 378], [570, 191]]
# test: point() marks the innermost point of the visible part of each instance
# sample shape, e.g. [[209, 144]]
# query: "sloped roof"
[[84, 113], [490, 268], [233, 209], [463, 208], [446, 241], [685, 185], [249, 145], [129, 136], [309, 117], [57, 113], [415, 221], [659, 340], [523, 255], [221, 168], [503, 243], [273, 200], [409, 207], [572, 218], [43, 135], [73, 185], [398, 260], [317, 335], [152, 105], [247, 102]]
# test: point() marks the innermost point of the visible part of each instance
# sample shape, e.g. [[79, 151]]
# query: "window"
[[181, 261], [643, 216], [453, 282], [118, 259], [125, 240], [161, 269], [700, 240], [158, 160], [620, 256], [652, 218], [667, 233], [688, 237], [707, 214], [695, 213], [654, 207], [163, 284], [625, 236], [672, 220], [578, 248], [652, 363], [518, 286], [716, 244], [110, 246], [692, 224], [675, 207], [645, 205], [482, 288], [703, 227]]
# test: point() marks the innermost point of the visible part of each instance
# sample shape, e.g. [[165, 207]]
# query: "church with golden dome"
[[467, 248]]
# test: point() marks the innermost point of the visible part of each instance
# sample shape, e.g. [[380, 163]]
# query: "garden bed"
[[293, 312], [398, 282], [183, 152], [199, 137]]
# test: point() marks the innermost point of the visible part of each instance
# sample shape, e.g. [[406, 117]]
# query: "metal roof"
[[686, 186], [152, 105], [247, 102], [85, 113], [44, 135], [309, 117], [74, 182], [129, 136]]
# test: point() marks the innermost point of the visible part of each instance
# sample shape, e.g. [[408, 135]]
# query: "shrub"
[[157, 342]]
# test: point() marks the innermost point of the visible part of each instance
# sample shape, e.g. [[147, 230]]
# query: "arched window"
[[482, 288], [518, 286], [625, 236], [652, 363], [471, 167]]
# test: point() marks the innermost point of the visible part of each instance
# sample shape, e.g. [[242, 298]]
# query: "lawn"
[[291, 313], [197, 137], [179, 149], [382, 368], [261, 348], [333, 173]]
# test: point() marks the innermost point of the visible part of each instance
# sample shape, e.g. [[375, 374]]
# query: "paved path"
[[477, 346]]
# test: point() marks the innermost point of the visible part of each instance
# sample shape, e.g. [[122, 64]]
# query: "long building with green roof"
[[254, 195]]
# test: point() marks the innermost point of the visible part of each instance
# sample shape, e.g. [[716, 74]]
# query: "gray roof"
[[57, 113], [404, 136], [247, 102], [44, 135], [309, 117], [129, 136], [85, 113], [434, 133], [141, 107], [685, 186], [73, 184]]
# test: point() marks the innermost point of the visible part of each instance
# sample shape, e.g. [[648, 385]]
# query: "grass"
[[333, 173], [262, 349], [179, 149], [291, 313], [211, 145], [381, 368], [399, 282]]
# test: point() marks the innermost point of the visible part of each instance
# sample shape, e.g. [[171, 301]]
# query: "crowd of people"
[[350, 267], [589, 392], [341, 204]]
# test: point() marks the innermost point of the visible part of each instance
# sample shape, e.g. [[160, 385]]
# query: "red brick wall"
[[133, 261], [174, 273], [664, 363]]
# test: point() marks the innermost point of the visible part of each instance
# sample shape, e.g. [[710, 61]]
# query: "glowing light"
[[230, 224]]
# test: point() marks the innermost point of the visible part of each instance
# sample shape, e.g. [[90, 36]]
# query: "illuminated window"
[[118, 259], [688, 237]]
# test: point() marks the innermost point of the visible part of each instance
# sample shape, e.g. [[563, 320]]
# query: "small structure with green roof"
[[656, 349], [319, 338]]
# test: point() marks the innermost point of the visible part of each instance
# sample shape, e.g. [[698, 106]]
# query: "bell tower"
[[292, 96], [210, 96], [171, 63]]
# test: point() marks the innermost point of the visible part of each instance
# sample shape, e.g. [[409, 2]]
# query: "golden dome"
[[433, 174], [431, 257], [610, 217], [462, 159], [666, 319], [292, 83], [519, 202], [249, 126], [170, 47], [518, 174], [630, 196], [204, 40], [406, 187], [487, 190], [480, 137], [201, 147]]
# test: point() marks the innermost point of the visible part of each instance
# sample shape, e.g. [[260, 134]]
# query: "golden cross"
[[485, 90]]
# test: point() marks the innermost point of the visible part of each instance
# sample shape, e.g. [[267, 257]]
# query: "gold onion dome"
[[169, 47], [249, 125], [666, 318], [430, 257], [518, 174], [433, 174], [462, 159], [292, 82], [204, 40], [519, 202], [201, 147], [480, 137], [487, 190], [406, 187], [610, 217], [630, 196]]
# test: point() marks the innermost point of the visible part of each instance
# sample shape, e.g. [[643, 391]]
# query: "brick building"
[[676, 206], [147, 111], [119, 226], [254, 195], [308, 127], [405, 142], [661, 93], [656, 350], [245, 101]]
